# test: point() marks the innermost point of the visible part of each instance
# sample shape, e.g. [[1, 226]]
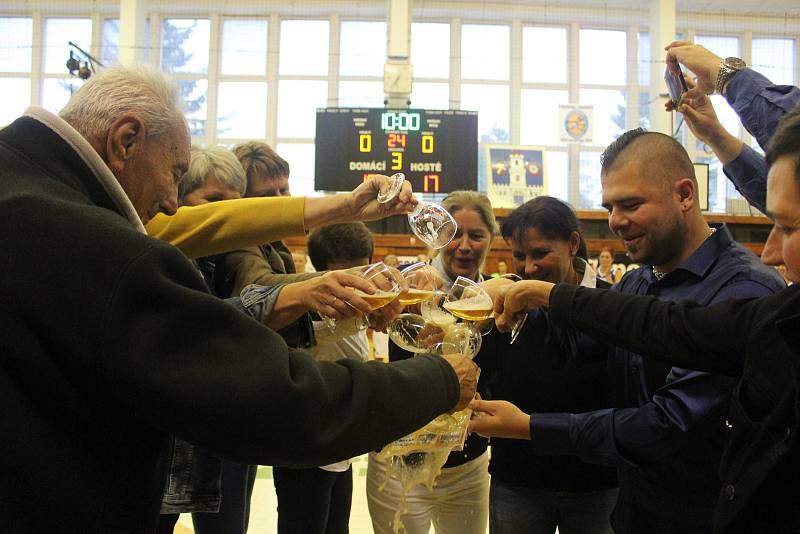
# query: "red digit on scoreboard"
[[396, 140], [433, 178]]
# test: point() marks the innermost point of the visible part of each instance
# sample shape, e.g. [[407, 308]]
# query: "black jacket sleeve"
[[688, 335], [194, 366]]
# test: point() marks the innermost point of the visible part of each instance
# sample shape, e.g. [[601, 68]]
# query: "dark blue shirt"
[[665, 433], [760, 105]]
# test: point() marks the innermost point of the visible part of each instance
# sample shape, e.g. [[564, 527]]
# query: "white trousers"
[[458, 504]]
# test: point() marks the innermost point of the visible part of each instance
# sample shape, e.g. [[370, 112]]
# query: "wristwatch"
[[728, 67]]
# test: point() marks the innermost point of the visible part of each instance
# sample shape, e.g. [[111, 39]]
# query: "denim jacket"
[[194, 481]]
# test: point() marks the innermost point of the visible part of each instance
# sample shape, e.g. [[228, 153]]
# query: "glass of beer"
[[423, 281], [386, 281], [468, 301]]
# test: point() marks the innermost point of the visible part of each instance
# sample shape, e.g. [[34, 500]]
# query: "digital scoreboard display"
[[436, 150]]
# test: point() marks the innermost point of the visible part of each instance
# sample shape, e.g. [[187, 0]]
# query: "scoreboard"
[[436, 150]]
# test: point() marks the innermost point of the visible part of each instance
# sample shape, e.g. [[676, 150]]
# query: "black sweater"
[[539, 373]]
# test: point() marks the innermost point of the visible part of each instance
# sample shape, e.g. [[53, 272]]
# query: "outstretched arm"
[[228, 225]]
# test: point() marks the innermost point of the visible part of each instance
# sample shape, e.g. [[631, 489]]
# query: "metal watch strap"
[[726, 72]]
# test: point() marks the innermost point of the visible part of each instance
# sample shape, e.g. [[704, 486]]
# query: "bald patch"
[[660, 157]]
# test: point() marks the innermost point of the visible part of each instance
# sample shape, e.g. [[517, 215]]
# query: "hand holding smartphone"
[[676, 84]]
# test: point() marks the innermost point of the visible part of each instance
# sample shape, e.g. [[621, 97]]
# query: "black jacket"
[[756, 339], [110, 342]]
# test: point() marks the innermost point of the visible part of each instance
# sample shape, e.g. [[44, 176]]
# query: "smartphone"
[[676, 85]]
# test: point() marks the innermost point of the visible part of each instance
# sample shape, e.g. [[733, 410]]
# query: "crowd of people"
[[177, 343]]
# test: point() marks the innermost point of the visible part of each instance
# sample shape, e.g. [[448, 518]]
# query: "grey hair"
[[120, 89], [217, 162]]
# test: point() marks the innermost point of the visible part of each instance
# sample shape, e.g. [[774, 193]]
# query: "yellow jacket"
[[227, 225]]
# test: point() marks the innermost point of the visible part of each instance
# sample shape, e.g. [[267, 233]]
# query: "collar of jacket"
[[91, 159]]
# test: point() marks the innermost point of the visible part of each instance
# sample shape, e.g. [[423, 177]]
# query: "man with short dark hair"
[[317, 500], [666, 431]]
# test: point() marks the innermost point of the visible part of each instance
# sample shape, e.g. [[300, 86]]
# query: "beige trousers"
[[458, 504]]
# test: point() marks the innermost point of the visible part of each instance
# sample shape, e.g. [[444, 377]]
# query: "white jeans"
[[458, 504]]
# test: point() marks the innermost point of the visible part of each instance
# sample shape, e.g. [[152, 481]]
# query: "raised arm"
[[236, 224]]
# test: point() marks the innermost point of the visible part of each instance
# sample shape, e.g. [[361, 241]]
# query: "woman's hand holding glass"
[[377, 286], [430, 222], [381, 196], [332, 294], [423, 282]]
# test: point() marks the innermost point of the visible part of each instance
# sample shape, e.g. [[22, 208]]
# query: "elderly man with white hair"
[[111, 341]]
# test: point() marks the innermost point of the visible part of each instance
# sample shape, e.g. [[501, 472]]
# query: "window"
[[109, 52], [304, 47], [589, 188], [430, 95], [544, 55], [723, 46], [16, 98], [194, 94], [58, 88], [485, 52], [775, 59], [260, 92], [237, 121], [557, 168], [643, 53], [298, 101], [185, 45], [57, 92], [300, 157], [16, 44], [360, 94], [58, 34], [362, 49], [539, 116], [491, 103], [603, 57], [610, 111], [430, 50], [244, 47]]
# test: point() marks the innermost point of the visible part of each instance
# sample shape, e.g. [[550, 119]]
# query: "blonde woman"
[[459, 502]]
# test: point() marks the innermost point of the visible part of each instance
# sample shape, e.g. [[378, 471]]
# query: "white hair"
[[120, 89], [212, 162]]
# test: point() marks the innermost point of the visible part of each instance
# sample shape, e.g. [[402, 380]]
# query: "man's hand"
[[514, 300], [499, 419], [364, 205], [699, 115], [492, 285], [703, 63], [467, 372]]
